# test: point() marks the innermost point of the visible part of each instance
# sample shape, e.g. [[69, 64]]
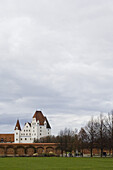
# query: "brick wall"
[[6, 138]]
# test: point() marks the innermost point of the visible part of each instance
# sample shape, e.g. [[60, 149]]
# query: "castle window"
[[21, 138], [24, 130], [40, 127], [26, 126], [40, 130], [40, 134], [16, 133], [29, 130], [48, 133], [25, 138], [16, 139], [29, 133]]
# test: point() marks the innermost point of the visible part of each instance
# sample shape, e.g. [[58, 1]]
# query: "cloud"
[[55, 56]]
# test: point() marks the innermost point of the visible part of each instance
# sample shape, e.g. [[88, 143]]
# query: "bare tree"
[[100, 133], [83, 139], [90, 130], [67, 140], [109, 125]]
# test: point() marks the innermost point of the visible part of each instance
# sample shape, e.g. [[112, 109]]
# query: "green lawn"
[[33, 163]]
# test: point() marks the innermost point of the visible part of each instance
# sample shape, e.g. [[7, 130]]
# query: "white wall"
[[17, 136], [25, 135]]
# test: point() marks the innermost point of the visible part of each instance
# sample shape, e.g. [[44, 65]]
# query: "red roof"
[[17, 125], [39, 116]]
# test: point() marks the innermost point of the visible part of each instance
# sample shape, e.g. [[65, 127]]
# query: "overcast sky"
[[55, 56]]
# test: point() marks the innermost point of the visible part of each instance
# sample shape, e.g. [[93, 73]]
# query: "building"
[[6, 138], [38, 128]]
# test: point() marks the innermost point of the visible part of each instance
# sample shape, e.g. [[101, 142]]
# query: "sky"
[[57, 57]]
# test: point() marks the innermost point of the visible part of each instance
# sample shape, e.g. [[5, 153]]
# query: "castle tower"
[[17, 132], [40, 126]]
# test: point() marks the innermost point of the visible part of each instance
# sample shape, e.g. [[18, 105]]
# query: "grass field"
[[38, 163]]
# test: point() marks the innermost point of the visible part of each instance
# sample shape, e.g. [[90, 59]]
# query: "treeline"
[[97, 134]]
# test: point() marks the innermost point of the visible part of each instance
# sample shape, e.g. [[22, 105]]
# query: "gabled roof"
[[39, 116], [48, 125], [17, 125], [28, 123]]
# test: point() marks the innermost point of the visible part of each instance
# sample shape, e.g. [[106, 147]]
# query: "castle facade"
[[38, 128]]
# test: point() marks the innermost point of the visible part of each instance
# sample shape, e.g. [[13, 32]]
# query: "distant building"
[[38, 128], [6, 138]]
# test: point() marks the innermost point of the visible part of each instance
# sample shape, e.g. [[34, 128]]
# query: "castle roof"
[[28, 123], [39, 116], [17, 125]]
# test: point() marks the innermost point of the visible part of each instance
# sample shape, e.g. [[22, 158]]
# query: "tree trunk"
[[91, 151], [101, 152]]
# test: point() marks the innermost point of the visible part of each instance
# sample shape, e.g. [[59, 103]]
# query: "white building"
[[38, 128]]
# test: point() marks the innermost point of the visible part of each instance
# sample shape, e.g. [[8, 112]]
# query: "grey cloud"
[[55, 56]]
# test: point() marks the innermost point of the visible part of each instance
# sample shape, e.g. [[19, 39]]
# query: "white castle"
[[38, 128]]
